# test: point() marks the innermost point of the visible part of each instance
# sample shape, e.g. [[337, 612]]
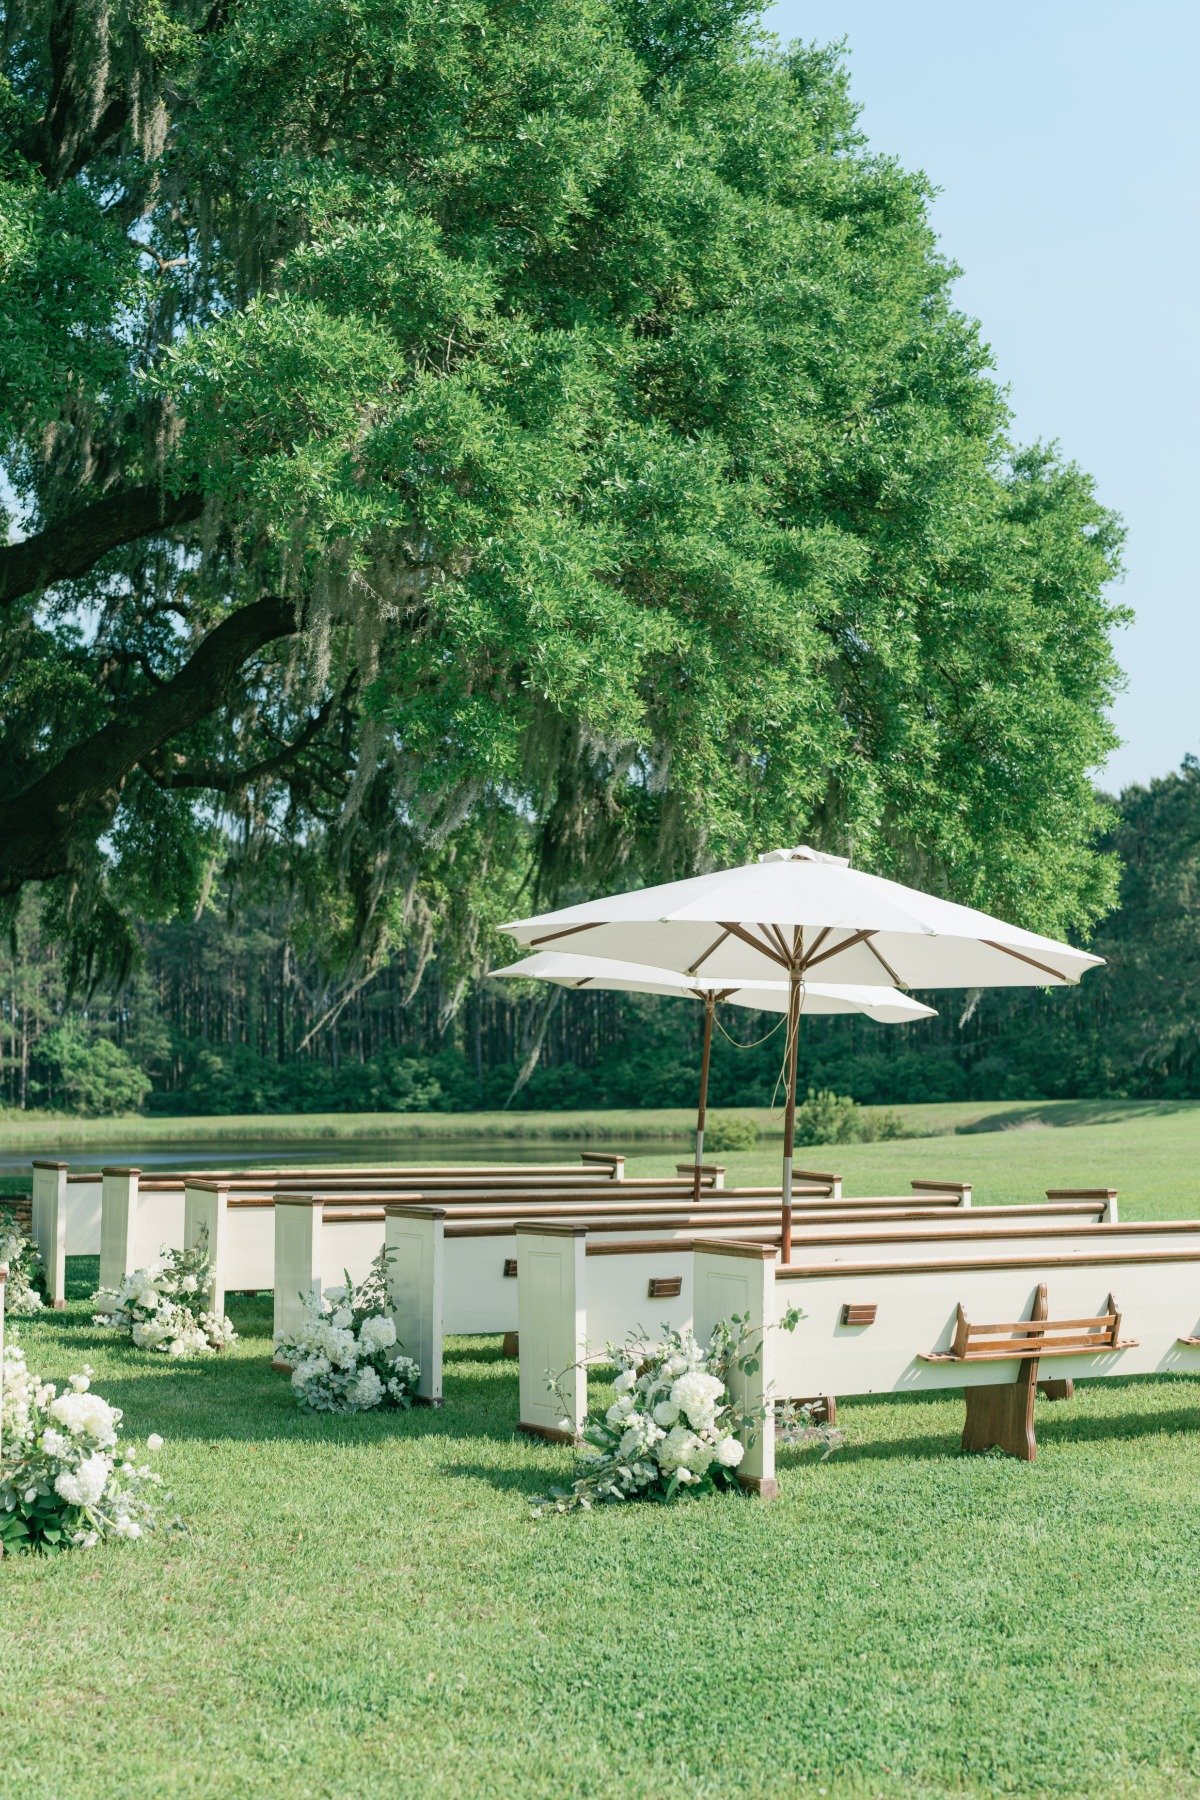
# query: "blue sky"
[[1065, 139]]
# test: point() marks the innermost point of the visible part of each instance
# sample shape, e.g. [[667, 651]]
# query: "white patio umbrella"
[[887, 1005], [796, 911]]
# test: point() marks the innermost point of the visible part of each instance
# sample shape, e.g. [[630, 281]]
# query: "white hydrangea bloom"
[[677, 1448], [368, 1389], [698, 1395], [377, 1333], [85, 1487], [86, 1415]]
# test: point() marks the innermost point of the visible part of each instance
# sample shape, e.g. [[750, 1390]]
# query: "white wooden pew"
[[638, 1271], [141, 1214], [480, 1295], [994, 1328], [249, 1255], [480, 1254], [606, 1291]]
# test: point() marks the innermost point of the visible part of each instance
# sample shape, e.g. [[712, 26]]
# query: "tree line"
[[237, 1014]]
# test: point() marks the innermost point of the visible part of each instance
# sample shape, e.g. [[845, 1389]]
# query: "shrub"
[[828, 1118], [728, 1131]]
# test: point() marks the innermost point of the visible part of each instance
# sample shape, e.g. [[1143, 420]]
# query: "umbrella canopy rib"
[[857, 937], [1045, 968], [747, 937], [695, 967]]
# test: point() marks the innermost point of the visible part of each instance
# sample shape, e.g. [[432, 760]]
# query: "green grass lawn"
[[365, 1601], [39, 1133], [1150, 1154]]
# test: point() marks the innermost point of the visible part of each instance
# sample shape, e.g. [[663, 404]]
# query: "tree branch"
[[70, 546], [46, 829], [224, 778]]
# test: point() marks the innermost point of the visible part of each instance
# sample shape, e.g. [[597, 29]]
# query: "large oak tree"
[[522, 436]]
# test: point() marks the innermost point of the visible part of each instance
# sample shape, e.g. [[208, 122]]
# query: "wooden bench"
[[248, 1254], [67, 1205], [638, 1272], [141, 1215], [1055, 1315]]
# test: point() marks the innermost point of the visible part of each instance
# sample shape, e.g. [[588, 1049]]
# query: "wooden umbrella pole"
[[789, 1119], [701, 1110]]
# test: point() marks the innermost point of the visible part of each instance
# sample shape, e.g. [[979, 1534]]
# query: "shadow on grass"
[[507, 1481], [232, 1398], [1055, 1421], [1073, 1112]]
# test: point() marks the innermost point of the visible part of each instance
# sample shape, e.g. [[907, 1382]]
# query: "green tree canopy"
[[458, 445]]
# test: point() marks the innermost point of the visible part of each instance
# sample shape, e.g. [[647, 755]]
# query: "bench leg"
[[1057, 1390], [1001, 1416]]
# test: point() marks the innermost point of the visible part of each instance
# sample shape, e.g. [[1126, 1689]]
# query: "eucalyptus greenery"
[[515, 442]]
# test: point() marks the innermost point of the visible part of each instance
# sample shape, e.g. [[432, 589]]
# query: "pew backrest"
[[951, 1323]]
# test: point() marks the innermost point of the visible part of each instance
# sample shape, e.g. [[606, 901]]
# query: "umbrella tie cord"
[[781, 1078], [752, 1043]]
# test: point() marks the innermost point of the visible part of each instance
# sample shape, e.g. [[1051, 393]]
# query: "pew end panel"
[[552, 1329], [205, 1213], [297, 1244], [118, 1203], [82, 1214], [603, 1159], [50, 1226], [712, 1175], [731, 1277], [819, 1178], [416, 1243]]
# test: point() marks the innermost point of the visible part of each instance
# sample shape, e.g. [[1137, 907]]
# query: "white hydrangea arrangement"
[[67, 1478], [160, 1308], [345, 1357], [673, 1426], [20, 1255]]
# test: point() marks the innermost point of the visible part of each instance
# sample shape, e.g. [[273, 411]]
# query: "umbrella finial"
[[804, 853]]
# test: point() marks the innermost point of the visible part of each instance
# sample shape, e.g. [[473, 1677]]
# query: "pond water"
[[323, 1152]]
